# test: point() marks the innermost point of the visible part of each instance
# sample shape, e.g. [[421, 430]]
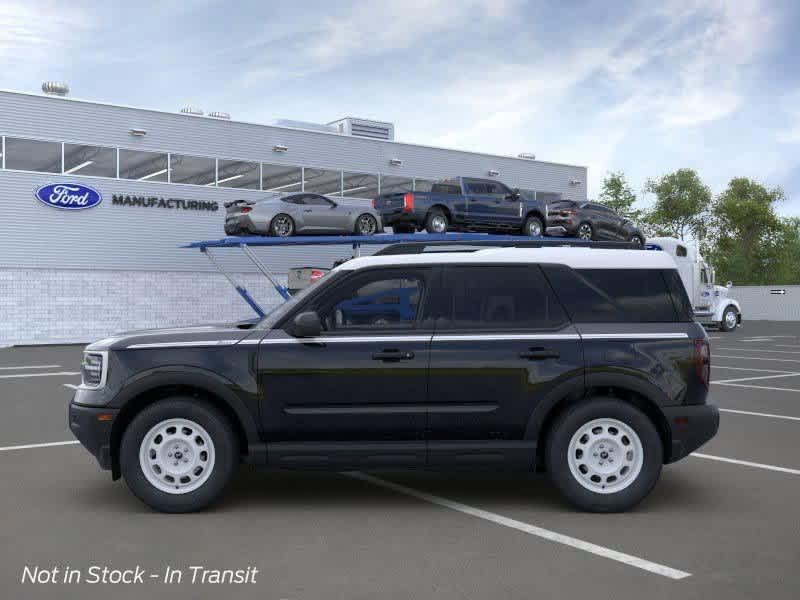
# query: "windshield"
[[280, 311]]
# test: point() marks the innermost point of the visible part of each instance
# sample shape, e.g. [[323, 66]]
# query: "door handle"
[[539, 354], [392, 355], [308, 210]]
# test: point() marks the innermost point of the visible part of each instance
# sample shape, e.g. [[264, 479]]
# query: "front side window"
[[613, 295], [376, 302], [33, 155], [314, 200], [497, 298]]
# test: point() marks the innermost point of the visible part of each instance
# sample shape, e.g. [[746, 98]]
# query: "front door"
[[365, 377], [320, 214], [502, 342]]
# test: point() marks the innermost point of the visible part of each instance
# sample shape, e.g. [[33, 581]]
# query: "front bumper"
[[690, 426], [92, 426]]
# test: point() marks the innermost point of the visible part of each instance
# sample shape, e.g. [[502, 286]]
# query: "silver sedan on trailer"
[[283, 215]]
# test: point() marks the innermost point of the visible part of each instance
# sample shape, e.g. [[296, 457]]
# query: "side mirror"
[[729, 285], [514, 195], [306, 324]]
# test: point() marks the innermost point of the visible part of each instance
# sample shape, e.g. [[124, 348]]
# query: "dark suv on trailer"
[[591, 221], [584, 362]]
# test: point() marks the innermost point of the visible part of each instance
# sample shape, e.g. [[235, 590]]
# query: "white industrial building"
[[76, 275]]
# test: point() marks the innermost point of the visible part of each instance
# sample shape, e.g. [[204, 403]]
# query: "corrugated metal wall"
[[768, 303], [136, 238]]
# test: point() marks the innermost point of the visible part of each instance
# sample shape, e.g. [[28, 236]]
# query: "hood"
[[721, 290], [223, 334]]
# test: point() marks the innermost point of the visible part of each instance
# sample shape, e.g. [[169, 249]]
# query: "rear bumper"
[[398, 217], [690, 427], [93, 432]]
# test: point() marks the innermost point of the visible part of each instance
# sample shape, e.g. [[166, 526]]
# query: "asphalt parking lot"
[[723, 523]]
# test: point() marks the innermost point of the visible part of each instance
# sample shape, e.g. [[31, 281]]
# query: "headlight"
[[94, 369]]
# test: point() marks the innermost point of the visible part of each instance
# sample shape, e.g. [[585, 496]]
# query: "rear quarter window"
[[613, 295], [445, 188]]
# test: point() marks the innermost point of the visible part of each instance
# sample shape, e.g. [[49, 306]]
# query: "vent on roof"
[[376, 130], [217, 114], [527, 155], [55, 88], [192, 110]]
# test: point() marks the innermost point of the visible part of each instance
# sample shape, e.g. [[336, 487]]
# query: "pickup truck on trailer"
[[464, 204]]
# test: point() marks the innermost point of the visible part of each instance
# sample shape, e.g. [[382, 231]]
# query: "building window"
[[144, 166], [396, 185], [323, 181], [90, 160], [360, 185], [33, 155], [238, 174], [281, 178], [195, 170]]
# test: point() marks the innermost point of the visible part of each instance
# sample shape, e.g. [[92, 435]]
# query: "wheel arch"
[[443, 208], [625, 388], [155, 386], [293, 218]]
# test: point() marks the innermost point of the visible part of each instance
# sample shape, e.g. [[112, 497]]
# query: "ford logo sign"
[[69, 196]]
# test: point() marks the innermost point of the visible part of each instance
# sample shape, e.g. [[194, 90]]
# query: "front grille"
[[92, 369]]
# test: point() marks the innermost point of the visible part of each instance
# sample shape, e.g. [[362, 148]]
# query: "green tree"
[[749, 242], [681, 205], [618, 195]]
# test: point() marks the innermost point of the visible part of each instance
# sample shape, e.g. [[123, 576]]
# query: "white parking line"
[[628, 559], [759, 414], [747, 463], [755, 378], [44, 445], [714, 366], [21, 367], [761, 350], [758, 358], [757, 387], [16, 376]]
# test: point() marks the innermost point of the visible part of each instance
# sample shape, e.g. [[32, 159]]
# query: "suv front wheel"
[[178, 454], [604, 455]]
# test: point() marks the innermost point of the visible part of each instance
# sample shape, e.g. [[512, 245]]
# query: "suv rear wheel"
[[604, 455], [178, 454], [436, 222], [533, 227]]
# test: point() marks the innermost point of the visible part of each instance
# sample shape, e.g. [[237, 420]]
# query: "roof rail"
[[414, 247]]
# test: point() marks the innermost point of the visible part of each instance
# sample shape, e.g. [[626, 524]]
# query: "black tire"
[[723, 325], [533, 227], [584, 227], [637, 239], [434, 220], [359, 230], [403, 229], [276, 226], [226, 454], [577, 416]]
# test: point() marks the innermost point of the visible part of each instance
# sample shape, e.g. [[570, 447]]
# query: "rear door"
[[504, 208], [502, 342], [478, 202]]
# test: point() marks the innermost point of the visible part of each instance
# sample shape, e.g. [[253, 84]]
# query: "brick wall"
[[41, 306]]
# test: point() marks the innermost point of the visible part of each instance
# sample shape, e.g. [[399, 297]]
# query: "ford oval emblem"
[[68, 196]]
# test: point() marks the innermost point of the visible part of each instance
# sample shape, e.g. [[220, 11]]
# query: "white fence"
[[768, 302]]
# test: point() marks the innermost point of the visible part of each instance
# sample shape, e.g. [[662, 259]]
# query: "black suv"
[[584, 362], [591, 221]]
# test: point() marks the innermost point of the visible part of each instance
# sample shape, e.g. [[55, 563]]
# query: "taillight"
[[702, 360], [374, 203], [316, 274], [408, 202], [569, 213], [246, 209]]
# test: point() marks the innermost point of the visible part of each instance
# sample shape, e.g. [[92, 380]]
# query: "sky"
[[639, 87]]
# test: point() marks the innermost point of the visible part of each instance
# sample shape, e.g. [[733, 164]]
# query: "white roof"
[[577, 258]]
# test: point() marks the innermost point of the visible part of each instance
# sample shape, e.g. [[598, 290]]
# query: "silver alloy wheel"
[[367, 225], [177, 456], [534, 228], [605, 456], [585, 231], [282, 226], [636, 240], [439, 224], [730, 319]]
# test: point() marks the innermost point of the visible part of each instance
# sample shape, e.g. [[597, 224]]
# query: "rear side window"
[[445, 188], [679, 296], [497, 298], [613, 295]]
